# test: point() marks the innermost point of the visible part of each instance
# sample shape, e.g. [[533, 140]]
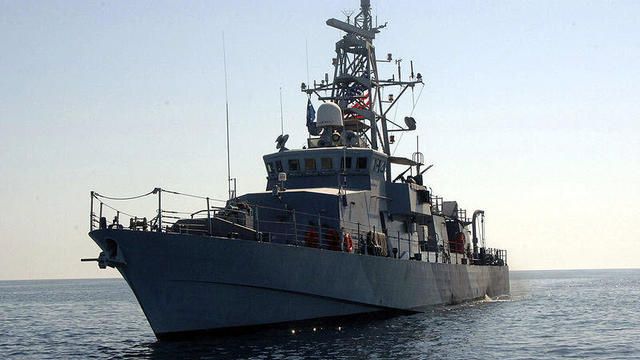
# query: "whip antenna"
[[306, 52], [281, 117], [226, 103]]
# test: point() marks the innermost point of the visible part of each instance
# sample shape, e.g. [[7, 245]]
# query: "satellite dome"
[[329, 115]]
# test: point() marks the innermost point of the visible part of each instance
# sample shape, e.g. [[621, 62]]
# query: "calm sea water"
[[550, 314]]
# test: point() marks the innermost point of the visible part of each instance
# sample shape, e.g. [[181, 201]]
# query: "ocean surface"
[[582, 314]]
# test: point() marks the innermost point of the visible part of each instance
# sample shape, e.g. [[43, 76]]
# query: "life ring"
[[348, 243], [333, 239], [311, 238]]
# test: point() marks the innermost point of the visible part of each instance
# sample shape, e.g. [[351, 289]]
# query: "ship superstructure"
[[333, 233]]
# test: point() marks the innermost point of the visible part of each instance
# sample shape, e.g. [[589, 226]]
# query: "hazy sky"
[[530, 112]]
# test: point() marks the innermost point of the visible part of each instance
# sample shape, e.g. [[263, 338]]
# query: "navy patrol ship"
[[334, 234]]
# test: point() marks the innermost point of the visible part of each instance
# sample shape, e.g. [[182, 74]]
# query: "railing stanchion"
[[209, 216], [257, 220], [448, 249], [374, 239], [159, 209], [409, 244], [319, 231], [91, 214], [444, 251], [295, 227], [360, 238]]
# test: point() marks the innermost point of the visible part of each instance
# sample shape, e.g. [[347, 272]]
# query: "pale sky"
[[530, 112]]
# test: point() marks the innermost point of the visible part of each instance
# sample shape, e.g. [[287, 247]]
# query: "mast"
[[356, 86]]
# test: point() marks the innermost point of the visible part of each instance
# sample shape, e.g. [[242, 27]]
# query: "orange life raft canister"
[[348, 243]]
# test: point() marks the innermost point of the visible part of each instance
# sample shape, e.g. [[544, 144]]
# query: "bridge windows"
[[294, 165], [326, 164], [310, 164], [361, 163], [316, 163], [342, 163], [379, 165]]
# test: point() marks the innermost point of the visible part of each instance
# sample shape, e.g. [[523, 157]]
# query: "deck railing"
[[290, 227]]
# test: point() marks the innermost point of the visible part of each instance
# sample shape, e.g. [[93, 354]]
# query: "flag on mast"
[[311, 116]]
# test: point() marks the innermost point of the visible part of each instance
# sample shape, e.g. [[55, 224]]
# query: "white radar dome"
[[329, 115]]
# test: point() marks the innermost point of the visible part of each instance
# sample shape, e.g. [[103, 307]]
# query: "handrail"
[[295, 231], [122, 198]]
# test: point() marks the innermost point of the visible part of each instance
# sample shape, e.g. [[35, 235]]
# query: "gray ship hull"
[[187, 283]]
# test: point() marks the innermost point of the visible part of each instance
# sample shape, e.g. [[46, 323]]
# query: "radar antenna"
[[281, 141]]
